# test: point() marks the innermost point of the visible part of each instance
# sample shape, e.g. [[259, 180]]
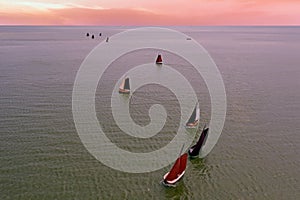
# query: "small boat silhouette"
[[195, 149], [194, 119], [159, 60], [125, 86]]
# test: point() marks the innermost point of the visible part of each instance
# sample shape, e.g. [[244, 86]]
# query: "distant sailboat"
[[107, 39], [159, 60], [125, 86], [195, 117], [177, 171], [194, 150]]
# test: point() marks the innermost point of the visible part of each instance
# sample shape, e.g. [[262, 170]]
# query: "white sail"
[[122, 84], [197, 113], [195, 117], [125, 86]]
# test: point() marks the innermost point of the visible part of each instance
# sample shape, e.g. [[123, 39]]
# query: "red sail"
[[173, 174], [159, 59], [177, 168], [183, 161]]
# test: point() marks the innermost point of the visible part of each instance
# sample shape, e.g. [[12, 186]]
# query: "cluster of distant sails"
[[178, 169], [93, 36]]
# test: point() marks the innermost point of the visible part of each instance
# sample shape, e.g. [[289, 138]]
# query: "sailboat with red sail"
[[159, 60], [177, 171], [125, 86]]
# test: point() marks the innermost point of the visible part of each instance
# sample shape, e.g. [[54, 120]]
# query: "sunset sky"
[[150, 12]]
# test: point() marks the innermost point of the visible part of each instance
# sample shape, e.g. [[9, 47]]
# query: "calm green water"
[[256, 157]]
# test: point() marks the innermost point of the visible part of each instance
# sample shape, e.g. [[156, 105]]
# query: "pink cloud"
[[192, 12]]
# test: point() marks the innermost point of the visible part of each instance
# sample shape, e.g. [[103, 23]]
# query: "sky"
[[150, 12]]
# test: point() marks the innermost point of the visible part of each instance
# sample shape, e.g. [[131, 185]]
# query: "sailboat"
[[125, 86], [195, 117], [177, 171], [159, 60], [194, 150]]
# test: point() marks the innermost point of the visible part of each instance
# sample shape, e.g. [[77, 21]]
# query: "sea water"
[[256, 157]]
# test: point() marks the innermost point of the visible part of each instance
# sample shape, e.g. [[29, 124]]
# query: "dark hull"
[[191, 155]]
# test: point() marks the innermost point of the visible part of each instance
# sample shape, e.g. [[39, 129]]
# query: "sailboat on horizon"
[[125, 86]]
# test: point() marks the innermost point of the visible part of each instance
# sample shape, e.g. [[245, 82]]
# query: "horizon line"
[[226, 25]]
